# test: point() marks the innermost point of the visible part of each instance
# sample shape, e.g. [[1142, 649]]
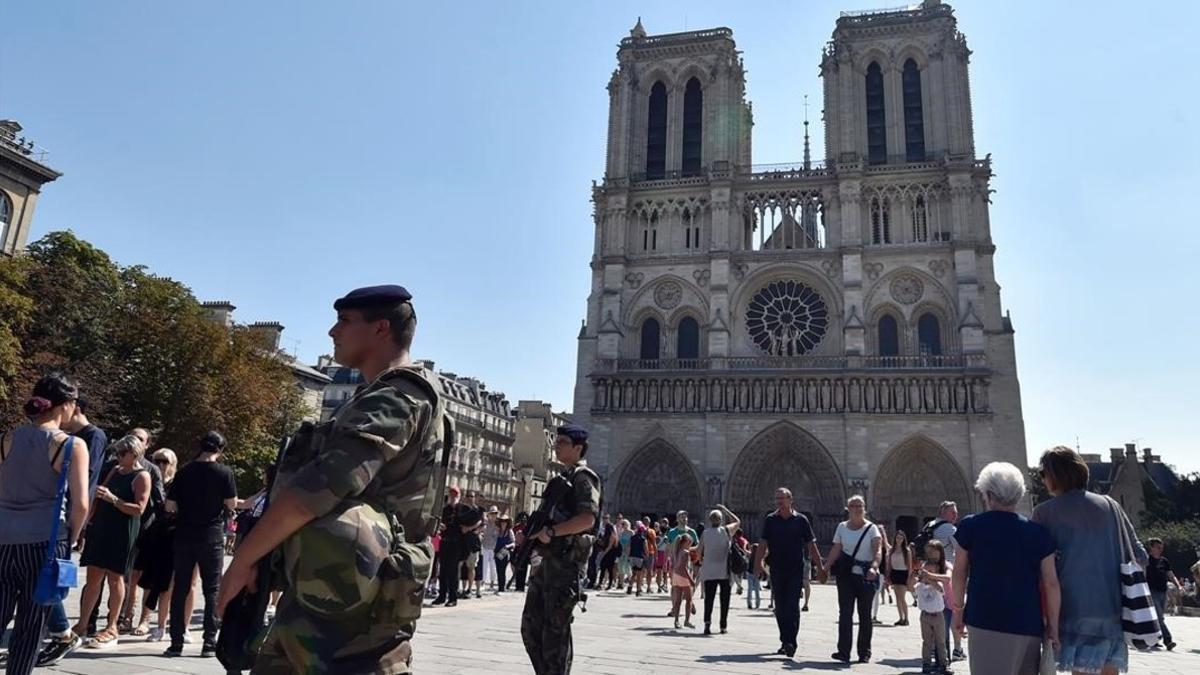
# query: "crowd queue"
[[1026, 591]]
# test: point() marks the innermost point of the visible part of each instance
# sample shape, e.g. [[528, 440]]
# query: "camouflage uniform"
[[554, 585], [355, 576]]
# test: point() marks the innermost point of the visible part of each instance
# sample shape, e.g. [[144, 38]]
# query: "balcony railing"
[[750, 363]]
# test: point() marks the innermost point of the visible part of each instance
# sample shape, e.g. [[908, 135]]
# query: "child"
[[753, 586], [682, 580], [931, 585]]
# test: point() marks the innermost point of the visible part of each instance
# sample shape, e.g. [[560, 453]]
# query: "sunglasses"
[[162, 462]]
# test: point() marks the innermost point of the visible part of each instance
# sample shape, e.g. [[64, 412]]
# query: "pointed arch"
[[693, 128], [687, 339], [650, 339], [657, 479], [785, 455], [914, 118], [656, 132], [876, 118], [914, 477]]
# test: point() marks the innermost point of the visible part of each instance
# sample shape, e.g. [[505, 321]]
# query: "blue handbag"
[[57, 577]]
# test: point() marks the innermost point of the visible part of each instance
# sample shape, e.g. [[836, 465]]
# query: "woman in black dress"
[[115, 519]]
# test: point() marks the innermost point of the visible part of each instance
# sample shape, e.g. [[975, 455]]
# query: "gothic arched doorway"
[[656, 480], [784, 455], [913, 479]]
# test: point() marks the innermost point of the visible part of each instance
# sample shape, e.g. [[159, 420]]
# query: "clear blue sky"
[[279, 153]]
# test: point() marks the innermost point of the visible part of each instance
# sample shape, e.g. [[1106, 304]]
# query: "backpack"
[[925, 536]]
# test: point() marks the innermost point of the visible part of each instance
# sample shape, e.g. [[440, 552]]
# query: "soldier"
[[352, 508], [555, 585]]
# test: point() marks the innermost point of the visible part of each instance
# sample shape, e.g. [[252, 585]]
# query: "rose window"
[[787, 318]]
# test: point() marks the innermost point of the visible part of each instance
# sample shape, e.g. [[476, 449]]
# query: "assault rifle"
[[245, 619], [558, 488]]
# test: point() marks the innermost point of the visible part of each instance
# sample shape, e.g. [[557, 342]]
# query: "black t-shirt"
[[200, 490], [1156, 574], [454, 516], [787, 540]]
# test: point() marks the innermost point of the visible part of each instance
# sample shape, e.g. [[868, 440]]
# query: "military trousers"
[[550, 599], [300, 642]]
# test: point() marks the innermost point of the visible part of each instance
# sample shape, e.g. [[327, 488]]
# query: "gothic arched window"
[[889, 336], [687, 341], [650, 339], [656, 133], [693, 115], [929, 334], [881, 221], [876, 129], [6, 215], [914, 121], [920, 219]]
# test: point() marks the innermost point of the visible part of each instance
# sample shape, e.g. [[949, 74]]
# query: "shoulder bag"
[[57, 576], [845, 564]]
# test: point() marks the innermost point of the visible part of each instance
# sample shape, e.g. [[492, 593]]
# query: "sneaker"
[[844, 658], [56, 649], [958, 655], [156, 635], [187, 638], [173, 650], [209, 650], [439, 601], [791, 650], [1170, 646]]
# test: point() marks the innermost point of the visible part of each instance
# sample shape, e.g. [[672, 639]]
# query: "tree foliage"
[[143, 350]]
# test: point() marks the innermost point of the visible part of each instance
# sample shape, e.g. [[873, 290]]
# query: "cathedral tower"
[[833, 327]]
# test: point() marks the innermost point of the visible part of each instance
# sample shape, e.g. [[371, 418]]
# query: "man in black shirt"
[[457, 518], [785, 536], [201, 492], [1158, 572]]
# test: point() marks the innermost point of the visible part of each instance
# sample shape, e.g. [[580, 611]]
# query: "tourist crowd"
[[1025, 591]]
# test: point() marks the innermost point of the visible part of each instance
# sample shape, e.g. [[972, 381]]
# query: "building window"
[[787, 318], [687, 345], [650, 339], [881, 221], [876, 129], [929, 334], [889, 336], [920, 219], [656, 133], [693, 115], [687, 229], [6, 216], [914, 122]]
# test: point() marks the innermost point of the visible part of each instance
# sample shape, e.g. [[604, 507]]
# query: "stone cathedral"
[[830, 326]]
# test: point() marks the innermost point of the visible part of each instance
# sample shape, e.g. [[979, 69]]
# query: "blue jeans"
[[58, 625], [1160, 604], [753, 591]]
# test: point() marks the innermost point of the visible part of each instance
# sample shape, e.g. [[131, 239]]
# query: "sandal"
[[142, 630], [104, 639], [124, 625]]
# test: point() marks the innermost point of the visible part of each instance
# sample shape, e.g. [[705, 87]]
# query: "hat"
[[493, 509], [505, 517], [576, 433], [370, 296]]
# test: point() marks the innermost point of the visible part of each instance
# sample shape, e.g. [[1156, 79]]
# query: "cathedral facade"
[[830, 326]]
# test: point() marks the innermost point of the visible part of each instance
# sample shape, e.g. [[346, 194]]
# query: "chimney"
[[271, 331], [1131, 452], [220, 311], [1148, 456], [324, 361], [1116, 455]]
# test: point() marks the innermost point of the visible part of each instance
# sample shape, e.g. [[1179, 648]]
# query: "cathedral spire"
[[638, 31], [807, 154]]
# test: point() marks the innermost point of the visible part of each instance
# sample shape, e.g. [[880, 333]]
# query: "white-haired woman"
[[714, 562], [1003, 561], [156, 558]]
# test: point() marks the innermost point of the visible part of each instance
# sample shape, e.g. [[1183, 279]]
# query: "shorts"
[[660, 560], [898, 577], [635, 563], [472, 559]]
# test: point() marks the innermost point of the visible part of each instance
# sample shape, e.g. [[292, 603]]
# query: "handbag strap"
[[1126, 547], [866, 529], [52, 547]]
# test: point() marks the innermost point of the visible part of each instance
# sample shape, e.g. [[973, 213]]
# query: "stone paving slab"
[[620, 634]]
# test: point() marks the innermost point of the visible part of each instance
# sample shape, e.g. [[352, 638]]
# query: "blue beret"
[[576, 433], [371, 296]]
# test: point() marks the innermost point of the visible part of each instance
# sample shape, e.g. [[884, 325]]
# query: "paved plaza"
[[623, 634]]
